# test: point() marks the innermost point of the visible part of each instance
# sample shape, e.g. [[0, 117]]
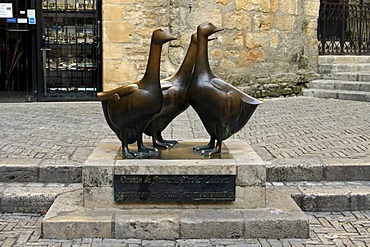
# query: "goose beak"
[[218, 29], [172, 38]]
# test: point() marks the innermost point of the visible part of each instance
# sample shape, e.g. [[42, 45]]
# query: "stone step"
[[343, 59], [337, 94], [13, 173], [327, 196], [363, 76], [34, 171], [295, 171], [309, 195], [348, 67], [341, 85], [31, 197], [281, 218]]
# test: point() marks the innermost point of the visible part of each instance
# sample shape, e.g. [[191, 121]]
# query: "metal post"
[[44, 50]]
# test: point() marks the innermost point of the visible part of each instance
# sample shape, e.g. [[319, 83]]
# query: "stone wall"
[[268, 47]]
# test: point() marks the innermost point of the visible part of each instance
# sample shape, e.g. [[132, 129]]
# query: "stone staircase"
[[342, 77], [33, 188]]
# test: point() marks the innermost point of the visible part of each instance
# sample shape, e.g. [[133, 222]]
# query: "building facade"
[[50, 50], [267, 48], [71, 49]]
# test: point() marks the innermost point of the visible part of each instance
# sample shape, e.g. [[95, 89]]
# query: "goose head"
[[161, 36], [207, 28]]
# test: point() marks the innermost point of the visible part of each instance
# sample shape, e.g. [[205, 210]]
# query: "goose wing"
[[222, 85], [121, 91]]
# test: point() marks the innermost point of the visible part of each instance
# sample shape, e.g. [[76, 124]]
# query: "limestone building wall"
[[268, 47]]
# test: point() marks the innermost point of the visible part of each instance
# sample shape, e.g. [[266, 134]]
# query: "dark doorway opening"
[[15, 72], [17, 51]]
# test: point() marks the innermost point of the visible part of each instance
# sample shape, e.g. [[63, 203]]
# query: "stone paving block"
[[347, 172], [97, 174], [299, 172], [55, 171], [147, 224], [19, 170], [278, 224], [34, 197], [211, 224]]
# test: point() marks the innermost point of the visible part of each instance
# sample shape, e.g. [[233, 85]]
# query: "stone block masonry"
[[268, 48]]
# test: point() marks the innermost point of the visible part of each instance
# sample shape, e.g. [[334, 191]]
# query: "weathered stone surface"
[[77, 222], [211, 224], [160, 224], [102, 165], [97, 174], [176, 167], [60, 171], [120, 72], [67, 219], [278, 224], [260, 38], [19, 170], [336, 198], [31, 197]]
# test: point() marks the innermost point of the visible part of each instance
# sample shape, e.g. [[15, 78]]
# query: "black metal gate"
[[344, 27], [71, 49]]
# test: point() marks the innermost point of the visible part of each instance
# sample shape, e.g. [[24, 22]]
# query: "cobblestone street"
[[327, 229], [284, 131], [308, 129]]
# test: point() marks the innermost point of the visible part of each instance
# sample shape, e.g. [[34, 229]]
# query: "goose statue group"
[[149, 105]]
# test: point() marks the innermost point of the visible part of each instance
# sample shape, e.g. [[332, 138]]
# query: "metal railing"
[[344, 28]]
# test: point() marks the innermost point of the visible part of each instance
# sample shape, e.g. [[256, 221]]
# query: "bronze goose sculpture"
[[129, 109], [222, 108], [174, 98]]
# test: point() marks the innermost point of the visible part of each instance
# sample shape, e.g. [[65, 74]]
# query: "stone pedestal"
[[92, 211]]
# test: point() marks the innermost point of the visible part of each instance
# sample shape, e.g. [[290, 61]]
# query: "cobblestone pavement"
[[326, 229], [299, 129], [309, 130]]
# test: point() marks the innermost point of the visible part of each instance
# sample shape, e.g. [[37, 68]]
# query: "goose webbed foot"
[[145, 151], [210, 152], [202, 148], [164, 143], [127, 154]]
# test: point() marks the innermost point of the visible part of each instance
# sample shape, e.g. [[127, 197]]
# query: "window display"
[[71, 43]]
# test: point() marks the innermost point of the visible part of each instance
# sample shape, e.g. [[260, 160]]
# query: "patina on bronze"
[[182, 151], [222, 108], [129, 109], [175, 99], [174, 188]]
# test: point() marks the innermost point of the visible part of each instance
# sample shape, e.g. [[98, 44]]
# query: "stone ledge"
[[31, 197], [38, 171], [238, 158], [297, 170], [67, 218]]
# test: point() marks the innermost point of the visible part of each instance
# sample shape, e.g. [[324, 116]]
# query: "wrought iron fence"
[[344, 27]]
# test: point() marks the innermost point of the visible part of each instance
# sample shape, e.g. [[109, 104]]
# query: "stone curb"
[[328, 196], [36, 171], [31, 197], [318, 172]]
